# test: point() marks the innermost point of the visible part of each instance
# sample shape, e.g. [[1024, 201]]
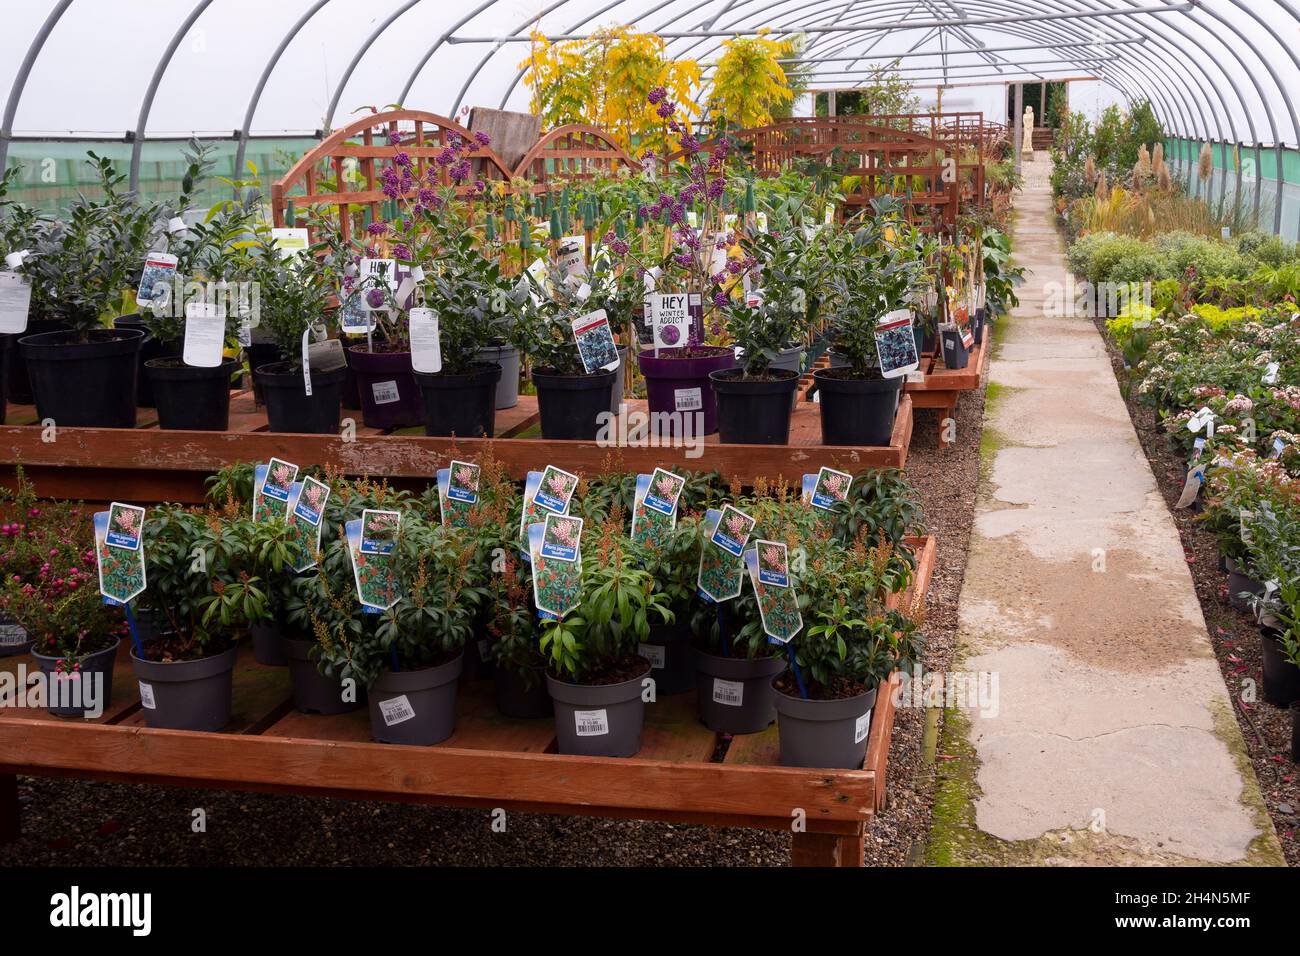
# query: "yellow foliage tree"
[[604, 80], [750, 81]]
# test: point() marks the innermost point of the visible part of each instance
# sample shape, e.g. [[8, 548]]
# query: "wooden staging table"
[[684, 773], [943, 386]]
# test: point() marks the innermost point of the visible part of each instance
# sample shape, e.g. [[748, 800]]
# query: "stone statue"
[[1027, 135]]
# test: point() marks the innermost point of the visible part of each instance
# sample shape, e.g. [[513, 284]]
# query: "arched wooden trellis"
[[323, 172], [573, 152]]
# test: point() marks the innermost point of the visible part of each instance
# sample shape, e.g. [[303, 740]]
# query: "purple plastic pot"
[[386, 384], [675, 384]]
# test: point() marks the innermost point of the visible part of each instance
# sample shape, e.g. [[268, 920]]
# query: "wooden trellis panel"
[[573, 152]]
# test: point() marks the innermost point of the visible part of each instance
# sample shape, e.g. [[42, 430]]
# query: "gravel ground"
[[1266, 729], [87, 823]]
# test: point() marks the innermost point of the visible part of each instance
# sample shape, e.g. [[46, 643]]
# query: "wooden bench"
[[942, 386], [684, 772]]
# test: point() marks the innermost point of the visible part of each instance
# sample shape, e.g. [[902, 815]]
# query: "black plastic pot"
[[603, 720], [415, 707], [980, 323], [754, 412], [571, 406], [478, 661], [517, 698], [313, 692], [189, 397], [14, 638], [857, 411], [460, 405], [18, 384], [84, 384], [824, 733], [266, 353], [955, 355], [64, 700], [268, 646], [186, 695], [290, 409], [735, 694], [149, 350], [672, 661], [1239, 584], [1281, 677], [4, 373], [1295, 732]]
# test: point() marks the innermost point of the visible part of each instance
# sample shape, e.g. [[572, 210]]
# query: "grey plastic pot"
[[1239, 584], [507, 356], [671, 657], [415, 707], [14, 638], [267, 648], [824, 733], [186, 695], [313, 692], [98, 665], [603, 720], [735, 694]]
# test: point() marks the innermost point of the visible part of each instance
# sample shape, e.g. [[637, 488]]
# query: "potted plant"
[[293, 312], [595, 675], [514, 635], [1273, 535], [19, 226], [50, 590], [876, 275], [848, 646], [191, 388], [202, 596], [80, 268]]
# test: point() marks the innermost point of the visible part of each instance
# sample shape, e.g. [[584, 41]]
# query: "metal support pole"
[[1018, 127]]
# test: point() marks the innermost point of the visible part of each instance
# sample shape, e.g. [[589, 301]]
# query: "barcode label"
[[591, 723], [729, 692], [861, 727], [396, 711], [12, 634], [688, 399], [654, 653], [385, 392], [146, 696]]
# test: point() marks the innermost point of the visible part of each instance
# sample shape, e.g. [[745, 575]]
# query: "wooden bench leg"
[[826, 849], [8, 807], [947, 423]]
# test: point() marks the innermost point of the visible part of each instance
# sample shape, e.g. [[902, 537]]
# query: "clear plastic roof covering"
[[1214, 69]]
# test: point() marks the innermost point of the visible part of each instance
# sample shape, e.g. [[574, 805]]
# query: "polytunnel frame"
[[1048, 22]]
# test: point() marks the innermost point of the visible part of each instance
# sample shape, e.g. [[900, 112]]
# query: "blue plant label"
[[556, 489], [561, 537], [896, 345], [664, 491], [773, 563], [280, 476], [462, 482], [310, 505], [379, 531], [831, 488], [125, 523], [732, 532]]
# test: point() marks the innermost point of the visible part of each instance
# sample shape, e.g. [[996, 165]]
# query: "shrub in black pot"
[[513, 635]]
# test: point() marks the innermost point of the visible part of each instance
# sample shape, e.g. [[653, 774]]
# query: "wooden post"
[[8, 807], [826, 849], [1018, 120]]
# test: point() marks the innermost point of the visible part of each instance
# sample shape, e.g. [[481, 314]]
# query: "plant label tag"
[[1198, 421], [378, 272], [1198, 446], [379, 531], [595, 341], [159, 271], [721, 574], [861, 726], [462, 482], [451, 512], [557, 584], [205, 334], [669, 318], [15, 303], [372, 574], [147, 700], [15, 260], [275, 487], [396, 710], [896, 345], [290, 242], [426, 341], [355, 318], [831, 488], [696, 307], [688, 399], [654, 514], [125, 523], [1270, 373], [305, 524], [778, 606], [730, 693], [654, 653], [664, 491], [573, 256], [967, 339], [121, 570], [310, 505], [732, 532], [561, 537], [760, 220], [1278, 447], [1191, 487], [773, 563], [555, 490], [591, 723]]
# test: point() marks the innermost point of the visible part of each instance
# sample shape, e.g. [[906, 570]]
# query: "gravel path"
[[87, 823]]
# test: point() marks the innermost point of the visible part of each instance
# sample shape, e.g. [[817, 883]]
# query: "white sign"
[[205, 334], [15, 303], [670, 319], [426, 342]]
